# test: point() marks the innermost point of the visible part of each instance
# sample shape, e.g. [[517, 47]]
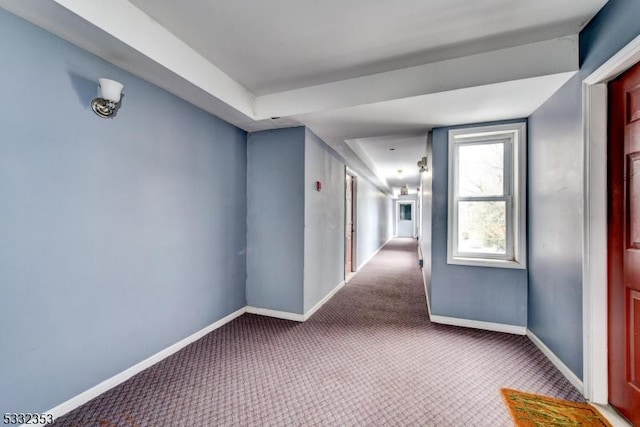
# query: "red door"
[[349, 225], [624, 244]]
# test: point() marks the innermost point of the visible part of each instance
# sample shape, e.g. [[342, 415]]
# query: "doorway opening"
[[406, 218], [624, 242], [350, 266], [595, 234]]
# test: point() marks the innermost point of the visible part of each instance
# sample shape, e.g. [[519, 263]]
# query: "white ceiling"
[[277, 45], [392, 158], [363, 75]]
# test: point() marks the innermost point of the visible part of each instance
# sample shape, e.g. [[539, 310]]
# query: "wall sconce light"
[[422, 164], [108, 101]]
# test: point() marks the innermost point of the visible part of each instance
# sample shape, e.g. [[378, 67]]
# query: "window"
[[487, 196], [405, 212]]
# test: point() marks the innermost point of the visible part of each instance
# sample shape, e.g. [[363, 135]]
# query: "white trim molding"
[[427, 297], [285, 315], [513, 138], [564, 369], [123, 376], [375, 253], [594, 250], [323, 301], [424, 282], [611, 415], [354, 226], [477, 324], [467, 323], [296, 317]]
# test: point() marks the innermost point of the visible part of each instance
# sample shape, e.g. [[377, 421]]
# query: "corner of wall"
[[275, 219], [465, 292]]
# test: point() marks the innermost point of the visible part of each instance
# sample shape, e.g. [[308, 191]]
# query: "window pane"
[[482, 227], [481, 170], [405, 212]]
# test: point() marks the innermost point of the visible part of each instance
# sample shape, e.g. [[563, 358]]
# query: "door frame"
[[594, 241], [413, 215], [354, 213]]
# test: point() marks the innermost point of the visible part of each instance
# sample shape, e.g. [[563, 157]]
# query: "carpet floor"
[[368, 357]]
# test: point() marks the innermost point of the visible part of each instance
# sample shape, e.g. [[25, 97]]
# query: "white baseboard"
[[117, 379], [564, 369], [426, 292], [424, 282], [375, 253], [323, 301], [611, 415], [428, 303], [286, 315], [106, 385], [477, 324], [296, 317]]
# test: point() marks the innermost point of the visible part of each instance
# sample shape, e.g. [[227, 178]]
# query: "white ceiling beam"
[[356, 146], [127, 23], [64, 23], [126, 36], [516, 63]]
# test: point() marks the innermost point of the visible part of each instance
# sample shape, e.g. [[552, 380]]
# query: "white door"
[[406, 216]]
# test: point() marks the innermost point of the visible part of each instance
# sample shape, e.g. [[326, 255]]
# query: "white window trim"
[[516, 220]]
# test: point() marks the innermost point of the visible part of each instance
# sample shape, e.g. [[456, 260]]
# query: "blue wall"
[[275, 219], [555, 191], [118, 237], [555, 224], [609, 31], [286, 212], [324, 218], [374, 218], [488, 294]]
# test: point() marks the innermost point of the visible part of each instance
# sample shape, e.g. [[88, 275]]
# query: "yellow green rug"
[[534, 410]]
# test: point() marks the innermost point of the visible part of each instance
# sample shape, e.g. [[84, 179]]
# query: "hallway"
[[369, 356]]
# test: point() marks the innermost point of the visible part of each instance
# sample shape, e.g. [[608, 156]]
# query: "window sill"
[[485, 262]]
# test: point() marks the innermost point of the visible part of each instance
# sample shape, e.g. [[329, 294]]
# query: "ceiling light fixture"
[[400, 173], [107, 103]]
